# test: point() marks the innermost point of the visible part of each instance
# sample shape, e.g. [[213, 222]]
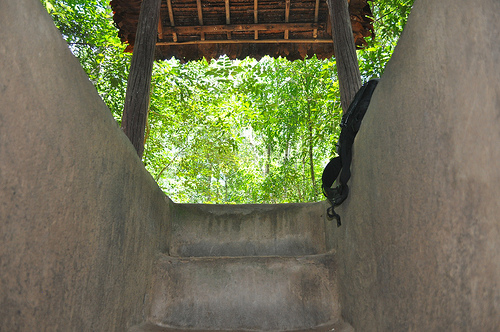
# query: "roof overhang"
[[193, 29]]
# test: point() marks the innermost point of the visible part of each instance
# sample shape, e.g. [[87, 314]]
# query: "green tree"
[[229, 131], [389, 17], [88, 28]]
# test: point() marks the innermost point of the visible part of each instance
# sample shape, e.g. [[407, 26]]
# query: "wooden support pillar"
[[345, 51], [136, 106]]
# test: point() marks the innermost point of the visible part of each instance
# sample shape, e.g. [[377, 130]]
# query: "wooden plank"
[[287, 15], [135, 109], [316, 14], [200, 17], [256, 17], [228, 17], [244, 27], [249, 41], [171, 17]]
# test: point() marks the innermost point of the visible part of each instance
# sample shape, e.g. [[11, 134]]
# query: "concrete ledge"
[[149, 327]]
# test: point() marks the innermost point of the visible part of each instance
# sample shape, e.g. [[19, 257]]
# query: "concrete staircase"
[[245, 268]]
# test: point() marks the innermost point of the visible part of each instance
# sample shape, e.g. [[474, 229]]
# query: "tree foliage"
[[241, 131], [87, 26], [229, 131]]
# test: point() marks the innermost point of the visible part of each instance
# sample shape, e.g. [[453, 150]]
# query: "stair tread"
[[255, 293], [247, 230], [150, 327]]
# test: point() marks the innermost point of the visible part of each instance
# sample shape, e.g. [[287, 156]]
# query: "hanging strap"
[[340, 167]]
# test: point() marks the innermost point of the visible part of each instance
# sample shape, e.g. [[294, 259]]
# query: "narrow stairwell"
[[245, 268]]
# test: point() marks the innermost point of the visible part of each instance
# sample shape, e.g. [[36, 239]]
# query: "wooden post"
[[136, 106], [345, 51]]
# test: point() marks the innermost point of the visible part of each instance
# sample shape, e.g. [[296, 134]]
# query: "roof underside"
[[193, 29]]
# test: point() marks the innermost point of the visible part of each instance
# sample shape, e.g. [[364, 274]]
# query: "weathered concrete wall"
[[420, 240], [80, 218]]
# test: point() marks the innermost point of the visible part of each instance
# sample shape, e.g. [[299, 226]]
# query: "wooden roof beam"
[[200, 17], [287, 15], [256, 16], [316, 15], [249, 41], [160, 27], [195, 29], [171, 17], [228, 17]]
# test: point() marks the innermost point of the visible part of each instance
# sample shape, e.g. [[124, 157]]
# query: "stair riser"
[[248, 230], [267, 293]]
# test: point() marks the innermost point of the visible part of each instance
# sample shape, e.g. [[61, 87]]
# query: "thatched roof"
[[193, 29]]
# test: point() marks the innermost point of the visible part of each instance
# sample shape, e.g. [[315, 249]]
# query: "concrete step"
[[245, 293], [201, 230], [149, 327]]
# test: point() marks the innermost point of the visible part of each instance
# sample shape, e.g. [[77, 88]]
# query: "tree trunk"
[[345, 51], [311, 155], [136, 106], [268, 161]]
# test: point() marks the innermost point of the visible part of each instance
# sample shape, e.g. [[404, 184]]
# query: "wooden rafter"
[[241, 20], [316, 15], [250, 41], [244, 27], [200, 17], [256, 16], [171, 17], [228, 17], [287, 16], [160, 27]]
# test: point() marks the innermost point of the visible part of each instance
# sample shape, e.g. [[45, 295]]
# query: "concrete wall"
[[419, 246], [80, 218]]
